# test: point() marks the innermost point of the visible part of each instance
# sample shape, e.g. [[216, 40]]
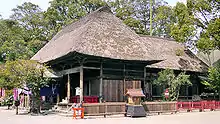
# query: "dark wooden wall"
[[113, 90]]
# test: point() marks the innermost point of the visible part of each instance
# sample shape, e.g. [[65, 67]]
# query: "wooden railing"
[[159, 107], [200, 105], [114, 108], [109, 108]]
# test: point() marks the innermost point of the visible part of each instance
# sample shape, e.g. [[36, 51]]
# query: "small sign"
[[78, 91], [43, 98], [166, 93]]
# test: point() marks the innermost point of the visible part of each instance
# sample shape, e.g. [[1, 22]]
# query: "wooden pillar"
[[133, 84], [90, 88], [58, 98], [81, 83], [68, 88], [187, 92], [151, 91], [146, 85], [145, 75], [28, 101], [124, 81], [101, 81]]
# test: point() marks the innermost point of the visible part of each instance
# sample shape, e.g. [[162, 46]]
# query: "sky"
[[7, 5]]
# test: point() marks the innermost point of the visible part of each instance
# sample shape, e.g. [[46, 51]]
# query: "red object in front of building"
[[201, 105], [78, 109], [86, 99], [166, 94]]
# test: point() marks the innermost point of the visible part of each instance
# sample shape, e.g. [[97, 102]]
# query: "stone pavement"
[[9, 117]]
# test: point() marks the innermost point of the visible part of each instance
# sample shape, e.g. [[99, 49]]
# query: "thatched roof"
[[99, 34], [104, 35], [135, 93], [175, 55]]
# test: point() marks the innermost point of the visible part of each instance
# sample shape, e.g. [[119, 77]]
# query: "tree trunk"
[[35, 103]]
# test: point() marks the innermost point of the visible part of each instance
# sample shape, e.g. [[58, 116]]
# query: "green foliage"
[[13, 44], [124, 9], [63, 12], [207, 20], [169, 80], [179, 52], [19, 72], [213, 81], [163, 19], [22, 73], [210, 38], [30, 17], [182, 30], [136, 13]]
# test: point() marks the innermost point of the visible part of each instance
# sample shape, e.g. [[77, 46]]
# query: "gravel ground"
[[9, 117]]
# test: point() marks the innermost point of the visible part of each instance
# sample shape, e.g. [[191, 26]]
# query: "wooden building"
[[104, 57]]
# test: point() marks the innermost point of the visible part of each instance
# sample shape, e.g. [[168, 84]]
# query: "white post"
[[68, 88], [81, 83]]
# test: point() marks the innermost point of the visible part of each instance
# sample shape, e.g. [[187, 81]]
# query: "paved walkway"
[[9, 117]]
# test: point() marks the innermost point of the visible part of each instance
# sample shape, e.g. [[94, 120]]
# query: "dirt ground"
[[9, 117]]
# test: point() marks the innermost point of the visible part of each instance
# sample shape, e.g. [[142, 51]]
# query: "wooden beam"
[[81, 83], [101, 81], [68, 88], [93, 68], [69, 71], [112, 69]]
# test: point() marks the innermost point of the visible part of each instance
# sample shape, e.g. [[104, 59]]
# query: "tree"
[[63, 12], [125, 10], [213, 79], [168, 79], [144, 13], [12, 42], [136, 13], [164, 18], [22, 73], [30, 17], [210, 38], [10, 34], [207, 21], [182, 29]]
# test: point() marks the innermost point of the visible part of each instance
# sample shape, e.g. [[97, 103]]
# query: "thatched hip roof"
[[99, 34], [174, 55], [104, 35]]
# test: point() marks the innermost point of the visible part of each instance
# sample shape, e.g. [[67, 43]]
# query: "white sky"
[[7, 5]]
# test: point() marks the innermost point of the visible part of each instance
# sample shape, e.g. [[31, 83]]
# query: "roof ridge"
[[169, 39]]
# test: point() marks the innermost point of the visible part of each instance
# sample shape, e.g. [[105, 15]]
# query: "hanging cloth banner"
[[2, 92], [15, 94]]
